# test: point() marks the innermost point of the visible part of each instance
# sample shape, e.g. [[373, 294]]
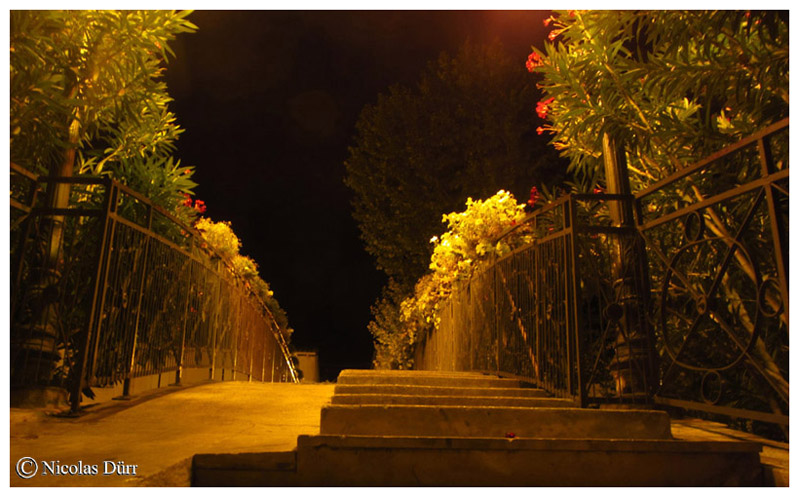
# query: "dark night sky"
[[269, 101]]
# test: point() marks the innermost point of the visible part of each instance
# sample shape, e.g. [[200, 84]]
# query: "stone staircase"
[[410, 428]]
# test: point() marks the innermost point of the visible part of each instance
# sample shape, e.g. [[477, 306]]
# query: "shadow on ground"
[[159, 432]]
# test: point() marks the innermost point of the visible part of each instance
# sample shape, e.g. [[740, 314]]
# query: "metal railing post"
[[16, 263], [495, 319], [634, 383], [126, 386], [179, 366], [272, 369], [236, 332], [213, 320], [98, 298], [264, 356], [575, 336], [251, 348], [780, 238]]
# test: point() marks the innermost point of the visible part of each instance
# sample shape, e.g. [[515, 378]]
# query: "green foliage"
[[669, 86], [162, 180], [464, 130], [393, 341], [245, 267], [472, 239], [89, 83], [88, 98]]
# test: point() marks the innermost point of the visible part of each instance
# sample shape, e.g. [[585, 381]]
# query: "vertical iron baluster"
[[97, 299], [780, 238], [182, 347]]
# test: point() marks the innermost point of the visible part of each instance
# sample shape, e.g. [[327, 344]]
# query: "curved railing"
[[688, 305], [527, 314], [113, 288]]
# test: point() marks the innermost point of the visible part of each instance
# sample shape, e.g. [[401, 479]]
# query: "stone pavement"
[[159, 432], [162, 430]]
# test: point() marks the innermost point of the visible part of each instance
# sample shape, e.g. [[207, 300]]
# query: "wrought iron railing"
[[708, 265], [718, 264], [540, 313], [112, 287]]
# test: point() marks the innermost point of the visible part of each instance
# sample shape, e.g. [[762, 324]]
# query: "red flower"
[[543, 107], [187, 200], [571, 13], [597, 190], [533, 62], [547, 21], [200, 206], [552, 35], [187, 171], [534, 196], [540, 130]]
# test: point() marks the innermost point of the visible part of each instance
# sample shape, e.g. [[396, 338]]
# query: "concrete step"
[[484, 401], [466, 421], [416, 437], [351, 372], [391, 389], [245, 469], [424, 378], [423, 461]]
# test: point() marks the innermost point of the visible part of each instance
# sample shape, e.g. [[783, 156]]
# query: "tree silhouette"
[[465, 130]]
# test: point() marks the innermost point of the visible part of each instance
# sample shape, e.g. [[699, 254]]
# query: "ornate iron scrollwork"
[[696, 282]]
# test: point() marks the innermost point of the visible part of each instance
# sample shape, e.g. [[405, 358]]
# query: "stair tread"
[[443, 396], [431, 390], [424, 378], [412, 373], [432, 400], [565, 409], [480, 421], [530, 443]]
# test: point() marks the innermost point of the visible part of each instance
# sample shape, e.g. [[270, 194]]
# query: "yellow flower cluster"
[[219, 235], [471, 239]]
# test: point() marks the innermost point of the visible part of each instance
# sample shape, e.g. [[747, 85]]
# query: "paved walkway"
[[160, 432]]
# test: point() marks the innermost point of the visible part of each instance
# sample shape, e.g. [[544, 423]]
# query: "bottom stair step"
[[277, 468], [435, 461]]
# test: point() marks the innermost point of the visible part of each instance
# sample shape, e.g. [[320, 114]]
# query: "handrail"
[[688, 170], [548, 311], [111, 249], [111, 183]]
